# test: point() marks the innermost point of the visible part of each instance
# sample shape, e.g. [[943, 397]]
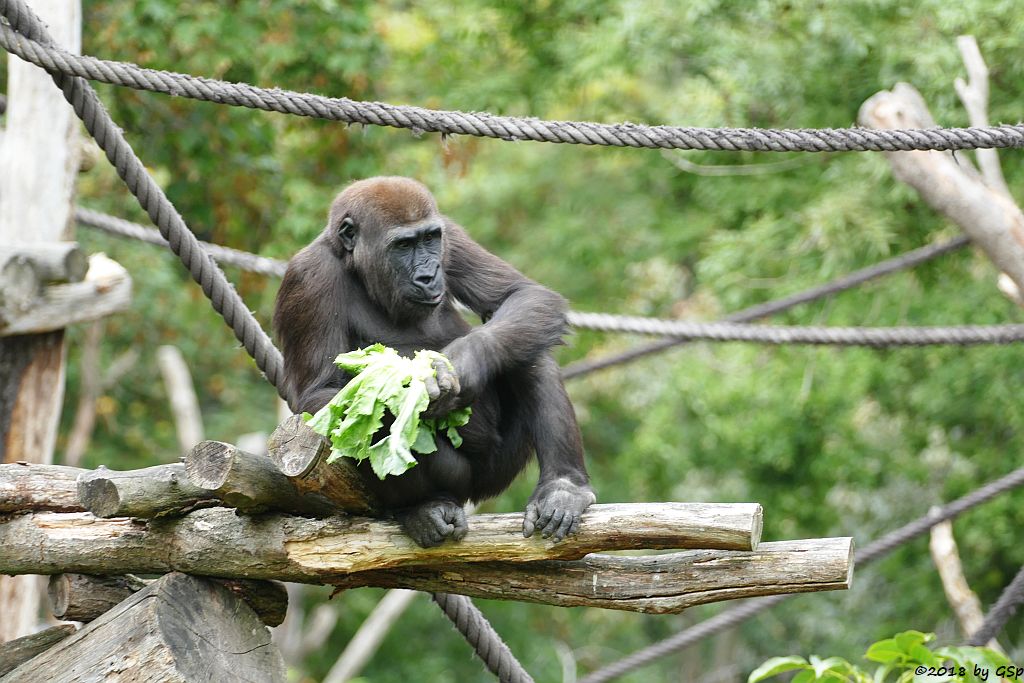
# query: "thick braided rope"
[[252, 263], [479, 124], [181, 240], [481, 635], [841, 284], [875, 337], [1007, 604], [203, 269], [734, 616]]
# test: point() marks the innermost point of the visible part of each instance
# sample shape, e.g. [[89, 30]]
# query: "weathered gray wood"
[[39, 162], [84, 597], [950, 185], [30, 486], [149, 492], [180, 629], [52, 261], [16, 652], [655, 584], [20, 287], [106, 289], [301, 455], [250, 483], [219, 542]]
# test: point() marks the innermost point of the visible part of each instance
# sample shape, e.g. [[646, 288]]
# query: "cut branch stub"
[[250, 483], [149, 492], [301, 455]]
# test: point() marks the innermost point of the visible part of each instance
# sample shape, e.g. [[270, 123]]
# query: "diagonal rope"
[[734, 616], [1011, 598], [418, 119], [841, 284], [472, 623]]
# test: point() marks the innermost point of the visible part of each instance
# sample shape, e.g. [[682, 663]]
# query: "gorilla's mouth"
[[429, 299]]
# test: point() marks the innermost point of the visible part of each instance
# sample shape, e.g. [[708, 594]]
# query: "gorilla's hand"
[[443, 389], [430, 523], [556, 507]]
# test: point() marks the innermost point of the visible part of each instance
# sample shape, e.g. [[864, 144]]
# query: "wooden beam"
[[106, 289], [149, 492], [180, 629], [51, 261], [654, 584], [16, 652], [301, 455], [82, 597], [220, 542], [32, 487], [250, 483]]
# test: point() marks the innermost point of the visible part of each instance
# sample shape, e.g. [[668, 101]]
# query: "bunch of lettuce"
[[384, 380]]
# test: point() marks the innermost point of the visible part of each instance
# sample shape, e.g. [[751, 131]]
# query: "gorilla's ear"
[[347, 233]]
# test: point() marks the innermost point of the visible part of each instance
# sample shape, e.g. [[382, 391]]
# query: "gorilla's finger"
[[563, 529], [556, 521], [433, 389], [544, 517], [575, 526], [529, 520], [461, 526]]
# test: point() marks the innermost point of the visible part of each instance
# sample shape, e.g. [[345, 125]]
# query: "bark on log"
[[106, 289], [20, 287], [180, 629], [16, 652], [950, 185], [25, 487], [148, 493], [84, 597], [247, 482], [301, 455], [52, 261], [654, 584], [219, 542]]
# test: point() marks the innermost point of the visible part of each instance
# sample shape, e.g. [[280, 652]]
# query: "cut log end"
[[98, 494], [295, 448], [209, 463]]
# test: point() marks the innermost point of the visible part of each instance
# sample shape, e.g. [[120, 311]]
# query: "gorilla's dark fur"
[[388, 268]]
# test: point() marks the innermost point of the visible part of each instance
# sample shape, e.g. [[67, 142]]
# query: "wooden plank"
[[180, 629], [16, 652]]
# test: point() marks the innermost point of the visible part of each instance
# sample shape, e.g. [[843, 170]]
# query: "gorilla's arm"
[[311, 328], [522, 319]]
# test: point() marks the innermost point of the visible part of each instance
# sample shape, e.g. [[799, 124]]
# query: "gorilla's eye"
[[429, 238]]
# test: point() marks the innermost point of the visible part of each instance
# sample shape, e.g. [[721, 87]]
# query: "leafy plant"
[[383, 381], [904, 655]]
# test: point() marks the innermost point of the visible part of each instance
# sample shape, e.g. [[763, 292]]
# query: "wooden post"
[[40, 154]]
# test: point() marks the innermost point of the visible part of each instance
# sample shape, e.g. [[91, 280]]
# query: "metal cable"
[[113, 225], [841, 284], [488, 645], [180, 239], [733, 616], [480, 124], [222, 295], [875, 337], [1011, 598]]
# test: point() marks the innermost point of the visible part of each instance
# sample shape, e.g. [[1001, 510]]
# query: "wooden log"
[[149, 492], [30, 486], [16, 652], [219, 542], [106, 289], [653, 584], [180, 629], [949, 184], [247, 482], [301, 455], [84, 597], [52, 261]]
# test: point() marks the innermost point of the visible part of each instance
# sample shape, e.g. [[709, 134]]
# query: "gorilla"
[[389, 268]]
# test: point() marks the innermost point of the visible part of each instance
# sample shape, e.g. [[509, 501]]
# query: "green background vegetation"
[[829, 441]]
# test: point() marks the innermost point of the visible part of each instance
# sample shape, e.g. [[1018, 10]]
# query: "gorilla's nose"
[[424, 280]]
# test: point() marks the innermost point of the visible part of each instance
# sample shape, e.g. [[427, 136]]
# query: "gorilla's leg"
[[563, 491]]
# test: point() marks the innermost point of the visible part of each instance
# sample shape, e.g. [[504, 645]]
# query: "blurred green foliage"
[[831, 442]]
